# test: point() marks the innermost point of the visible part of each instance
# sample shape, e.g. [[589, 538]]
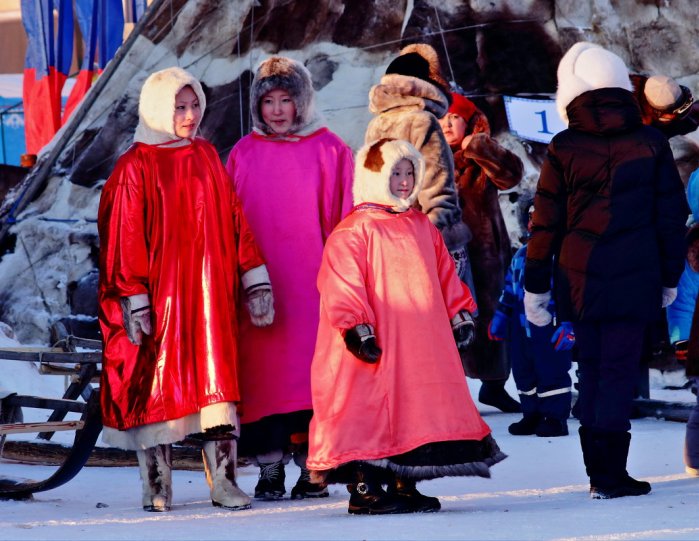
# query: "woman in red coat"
[[390, 401], [174, 250]]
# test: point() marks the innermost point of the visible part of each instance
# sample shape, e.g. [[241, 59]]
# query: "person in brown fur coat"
[[483, 167], [407, 102]]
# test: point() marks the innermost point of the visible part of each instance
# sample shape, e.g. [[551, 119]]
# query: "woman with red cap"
[[482, 167]]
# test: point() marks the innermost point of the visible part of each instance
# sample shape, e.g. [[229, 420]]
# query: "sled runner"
[[80, 397]]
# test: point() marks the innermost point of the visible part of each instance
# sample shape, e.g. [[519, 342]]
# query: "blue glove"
[[497, 330], [564, 337]]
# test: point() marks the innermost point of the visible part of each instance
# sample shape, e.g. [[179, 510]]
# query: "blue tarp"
[[11, 130]]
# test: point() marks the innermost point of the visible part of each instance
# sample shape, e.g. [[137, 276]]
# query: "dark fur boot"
[[418, 501], [155, 467], [367, 497]]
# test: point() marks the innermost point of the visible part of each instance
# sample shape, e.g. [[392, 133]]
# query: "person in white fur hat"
[[611, 211], [390, 401], [175, 253]]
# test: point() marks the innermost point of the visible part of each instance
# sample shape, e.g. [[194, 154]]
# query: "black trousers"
[[609, 353]]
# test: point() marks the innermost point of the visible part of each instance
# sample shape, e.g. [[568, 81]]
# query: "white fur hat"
[[156, 106], [372, 173], [662, 92], [587, 66]]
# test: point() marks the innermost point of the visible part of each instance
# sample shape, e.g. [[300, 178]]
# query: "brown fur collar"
[[404, 91]]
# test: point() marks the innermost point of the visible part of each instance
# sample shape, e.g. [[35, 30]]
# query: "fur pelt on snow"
[[587, 66], [279, 72], [156, 105], [407, 108], [372, 173]]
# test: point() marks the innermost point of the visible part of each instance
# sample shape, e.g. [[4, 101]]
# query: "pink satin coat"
[[294, 191], [171, 226], [394, 272]]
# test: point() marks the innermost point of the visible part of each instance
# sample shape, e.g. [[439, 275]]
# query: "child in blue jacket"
[[684, 328], [540, 369]]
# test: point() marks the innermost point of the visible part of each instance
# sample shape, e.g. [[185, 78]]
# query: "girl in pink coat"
[[391, 405], [293, 177]]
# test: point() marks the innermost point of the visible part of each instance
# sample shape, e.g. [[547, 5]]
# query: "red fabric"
[[42, 107], [83, 82], [171, 226], [394, 272]]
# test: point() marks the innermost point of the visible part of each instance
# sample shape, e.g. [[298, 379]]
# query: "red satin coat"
[[171, 226]]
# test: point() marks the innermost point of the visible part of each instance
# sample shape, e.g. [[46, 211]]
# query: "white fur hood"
[[156, 106], [587, 66], [373, 166]]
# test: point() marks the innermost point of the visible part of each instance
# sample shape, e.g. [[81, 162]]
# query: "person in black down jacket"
[[610, 203]]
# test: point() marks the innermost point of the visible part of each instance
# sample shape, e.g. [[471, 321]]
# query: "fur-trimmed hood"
[[396, 90], [280, 72], [587, 66], [156, 105], [372, 174]]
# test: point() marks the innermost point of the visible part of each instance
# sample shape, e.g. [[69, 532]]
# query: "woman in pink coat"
[[390, 401], [293, 177]]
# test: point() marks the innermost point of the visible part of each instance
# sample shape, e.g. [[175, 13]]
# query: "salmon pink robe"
[[294, 191], [394, 272], [171, 226]]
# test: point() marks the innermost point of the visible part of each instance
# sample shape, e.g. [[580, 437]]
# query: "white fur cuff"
[[255, 277]]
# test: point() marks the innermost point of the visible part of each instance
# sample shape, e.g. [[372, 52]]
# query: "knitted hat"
[[587, 66], [462, 106], [279, 72], [420, 60], [372, 173], [156, 105], [662, 92]]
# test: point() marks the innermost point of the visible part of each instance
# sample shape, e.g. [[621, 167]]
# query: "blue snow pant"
[[609, 354], [691, 442], [540, 372]]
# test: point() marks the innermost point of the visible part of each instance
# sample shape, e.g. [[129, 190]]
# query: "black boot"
[[270, 485], [605, 455], [368, 498], [419, 502], [549, 427], [526, 426], [304, 487], [493, 393]]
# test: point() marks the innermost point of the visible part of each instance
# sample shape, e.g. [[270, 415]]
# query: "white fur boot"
[[155, 467], [220, 459]]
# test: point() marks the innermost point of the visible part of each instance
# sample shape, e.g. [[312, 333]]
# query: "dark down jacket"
[[611, 201]]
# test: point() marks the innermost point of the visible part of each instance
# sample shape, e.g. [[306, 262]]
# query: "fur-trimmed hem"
[[150, 435], [476, 459]]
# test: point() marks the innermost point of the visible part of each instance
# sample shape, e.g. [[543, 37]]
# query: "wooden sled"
[[79, 397]]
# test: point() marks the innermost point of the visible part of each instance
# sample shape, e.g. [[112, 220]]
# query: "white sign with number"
[[535, 120]]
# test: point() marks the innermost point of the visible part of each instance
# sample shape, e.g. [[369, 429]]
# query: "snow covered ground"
[[539, 492]]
